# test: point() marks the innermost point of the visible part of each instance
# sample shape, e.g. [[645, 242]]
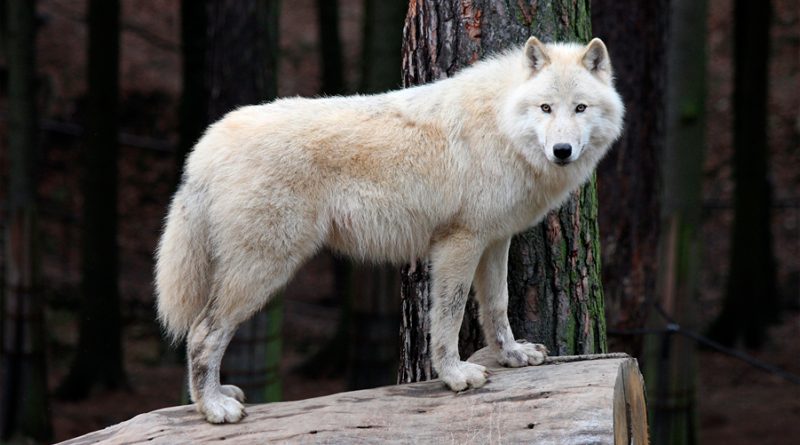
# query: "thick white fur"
[[449, 170]]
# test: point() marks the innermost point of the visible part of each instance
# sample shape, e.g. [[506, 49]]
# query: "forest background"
[[736, 403]]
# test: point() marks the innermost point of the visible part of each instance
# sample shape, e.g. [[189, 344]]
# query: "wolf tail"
[[183, 263]]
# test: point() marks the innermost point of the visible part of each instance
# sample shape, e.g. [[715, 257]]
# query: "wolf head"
[[566, 108]]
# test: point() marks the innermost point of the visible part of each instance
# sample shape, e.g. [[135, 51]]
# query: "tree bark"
[[24, 413], [669, 360], [99, 359], [555, 295], [597, 401], [629, 177], [751, 302], [241, 67]]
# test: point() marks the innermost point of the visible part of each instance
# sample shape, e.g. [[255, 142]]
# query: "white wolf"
[[449, 170]]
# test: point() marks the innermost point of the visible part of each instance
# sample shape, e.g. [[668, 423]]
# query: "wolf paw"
[[522, 353], [232, 391], [463, 375], [222, 409]]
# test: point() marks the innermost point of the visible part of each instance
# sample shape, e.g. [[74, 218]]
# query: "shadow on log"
[[569, 400]]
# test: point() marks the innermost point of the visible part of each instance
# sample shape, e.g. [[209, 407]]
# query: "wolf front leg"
[[208, 339], [453, 265], [491, 289]]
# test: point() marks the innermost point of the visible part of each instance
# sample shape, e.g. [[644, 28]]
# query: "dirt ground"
[[737, 404]]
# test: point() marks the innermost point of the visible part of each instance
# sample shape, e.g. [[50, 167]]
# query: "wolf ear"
[[536, 53], [596, 59]]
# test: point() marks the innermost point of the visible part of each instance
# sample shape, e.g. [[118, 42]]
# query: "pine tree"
[[99, 359], [24, 414], [669, 360], [628, 179], [241, 67], [751, 301]]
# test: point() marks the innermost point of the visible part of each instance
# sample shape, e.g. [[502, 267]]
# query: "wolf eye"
[[580, 108], [546, 108]]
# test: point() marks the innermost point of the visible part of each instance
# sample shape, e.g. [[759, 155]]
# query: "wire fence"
[[672, 327]]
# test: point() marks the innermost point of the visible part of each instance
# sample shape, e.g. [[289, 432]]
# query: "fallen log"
[[596, 400]]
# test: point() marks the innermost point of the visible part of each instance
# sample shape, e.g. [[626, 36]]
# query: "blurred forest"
[[100, 100]]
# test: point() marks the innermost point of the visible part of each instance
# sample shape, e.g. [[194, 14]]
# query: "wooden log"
[[591, 401]]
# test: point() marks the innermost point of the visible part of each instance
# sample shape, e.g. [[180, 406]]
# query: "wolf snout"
[[562, 152]]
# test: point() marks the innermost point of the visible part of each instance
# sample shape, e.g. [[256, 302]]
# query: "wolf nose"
[[562, 151]]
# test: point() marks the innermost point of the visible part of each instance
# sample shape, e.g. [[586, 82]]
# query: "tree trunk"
[[751, 301], [628, 179], [330, 47], [331, 360], [4, 30], [241, 68], [669, 360], [24, 413], [241, 61], [382, 45], [375, 289], [99, 359], [597, 401], [192, 119], [555, 296], [364, 344], [373, 335]]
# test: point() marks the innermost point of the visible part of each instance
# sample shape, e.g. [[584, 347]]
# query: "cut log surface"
[[591, 401]]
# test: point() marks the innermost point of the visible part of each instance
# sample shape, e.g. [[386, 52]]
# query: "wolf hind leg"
[[491, 290], [208, 338], [235, 297]]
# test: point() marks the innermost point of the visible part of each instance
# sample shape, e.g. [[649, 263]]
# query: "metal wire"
[[672, 327]]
